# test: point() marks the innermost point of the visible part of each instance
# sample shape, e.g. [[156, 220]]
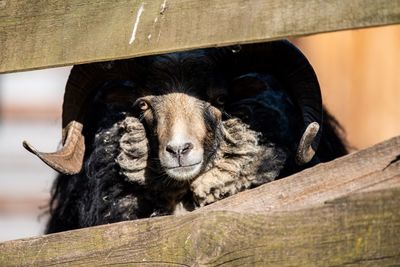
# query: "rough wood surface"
[[361, 229], [346, 224], [369, 169], [40, 34]]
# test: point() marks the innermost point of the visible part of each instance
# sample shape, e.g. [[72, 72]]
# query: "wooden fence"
[[41, 34], [345, 212]]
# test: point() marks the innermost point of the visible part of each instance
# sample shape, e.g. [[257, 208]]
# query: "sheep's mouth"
[[185, 172], [184, 166]]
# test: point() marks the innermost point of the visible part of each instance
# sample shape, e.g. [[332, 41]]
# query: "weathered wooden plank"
[[370, 169], [361, 229], [343, 212], [40, 34]]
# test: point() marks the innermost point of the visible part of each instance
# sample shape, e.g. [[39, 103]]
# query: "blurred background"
[[359, 73], [30, 109]]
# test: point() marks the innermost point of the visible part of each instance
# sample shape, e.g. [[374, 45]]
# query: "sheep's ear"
[[248, 85]]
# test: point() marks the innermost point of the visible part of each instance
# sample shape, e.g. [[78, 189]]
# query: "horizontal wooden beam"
[[361, 229], [41, 34], [373, 168], [337, 213]]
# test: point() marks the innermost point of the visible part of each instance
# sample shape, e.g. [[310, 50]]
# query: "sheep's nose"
[[180, 149]]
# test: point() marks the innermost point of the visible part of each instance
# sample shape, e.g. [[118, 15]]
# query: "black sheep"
[[163, 134]]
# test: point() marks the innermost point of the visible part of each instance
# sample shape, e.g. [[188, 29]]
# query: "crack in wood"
[[395, 160], [372, 259]]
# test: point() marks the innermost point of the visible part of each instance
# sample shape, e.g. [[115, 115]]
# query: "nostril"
[[177, 150], [186, 148], [172, 149]]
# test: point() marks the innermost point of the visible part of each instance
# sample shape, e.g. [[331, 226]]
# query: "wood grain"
[[348, 219], [41, 34], [363, 170], [356, 230]]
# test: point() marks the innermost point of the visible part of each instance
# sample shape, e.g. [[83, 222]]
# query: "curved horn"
[[82, 82], [291, 67], [69, 158]]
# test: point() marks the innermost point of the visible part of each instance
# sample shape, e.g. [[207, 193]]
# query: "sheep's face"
[[178, 98], [185, 132]]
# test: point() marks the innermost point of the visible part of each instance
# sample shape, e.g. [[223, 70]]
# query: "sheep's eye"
[[143, 105], [220, 100]]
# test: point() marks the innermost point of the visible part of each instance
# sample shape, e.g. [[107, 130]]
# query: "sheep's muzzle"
[[181, 124]]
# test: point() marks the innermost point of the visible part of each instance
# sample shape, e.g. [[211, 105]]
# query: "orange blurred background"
[[359, 73]]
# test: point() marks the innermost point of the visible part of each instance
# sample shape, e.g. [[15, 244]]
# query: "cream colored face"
[[181, 129]]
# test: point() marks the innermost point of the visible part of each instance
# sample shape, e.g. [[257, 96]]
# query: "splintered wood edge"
[[36, 35]]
